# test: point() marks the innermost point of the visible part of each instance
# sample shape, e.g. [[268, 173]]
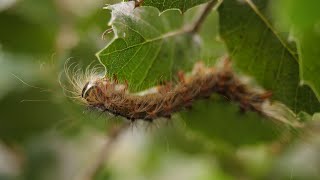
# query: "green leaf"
[[304, 18], [298, 13], [222, 121], [148, 48], [259, 51], [309, 53], [212, 48], [182, 5]]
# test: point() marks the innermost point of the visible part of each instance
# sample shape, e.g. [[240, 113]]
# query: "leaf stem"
[[203, 15]]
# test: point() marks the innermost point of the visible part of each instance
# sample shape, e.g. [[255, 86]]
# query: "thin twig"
[[103, 156], [203, 15]]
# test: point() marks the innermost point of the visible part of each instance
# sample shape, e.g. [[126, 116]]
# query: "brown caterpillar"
[[108, 95]]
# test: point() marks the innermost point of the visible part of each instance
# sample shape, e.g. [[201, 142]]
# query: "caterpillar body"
[[108, 95]]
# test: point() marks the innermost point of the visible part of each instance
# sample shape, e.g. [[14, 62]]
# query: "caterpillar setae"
[[108, 95]]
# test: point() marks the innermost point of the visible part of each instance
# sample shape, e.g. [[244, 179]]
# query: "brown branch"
[[103, 156], [203, 15]]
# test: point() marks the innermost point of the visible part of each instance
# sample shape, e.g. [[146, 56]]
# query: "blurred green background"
[[45, 135]]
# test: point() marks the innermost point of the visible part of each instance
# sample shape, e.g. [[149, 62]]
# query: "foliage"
[[259, 51], [303, 19], [45, 135], [147, 47]]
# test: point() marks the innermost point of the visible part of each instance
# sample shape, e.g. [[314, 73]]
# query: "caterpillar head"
[[84, 86], [89, 91]]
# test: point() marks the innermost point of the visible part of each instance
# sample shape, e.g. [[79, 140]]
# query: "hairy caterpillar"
[[108, 95]]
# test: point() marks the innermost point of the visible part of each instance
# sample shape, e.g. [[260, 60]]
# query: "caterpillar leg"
[[181, 77]]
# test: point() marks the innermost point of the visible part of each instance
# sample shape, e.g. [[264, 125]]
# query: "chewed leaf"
[[304, 20], [258, 51], [148, 47], [182, 5], [308, 46]]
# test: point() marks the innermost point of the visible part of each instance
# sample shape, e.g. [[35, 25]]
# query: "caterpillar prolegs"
[[108, 95]]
